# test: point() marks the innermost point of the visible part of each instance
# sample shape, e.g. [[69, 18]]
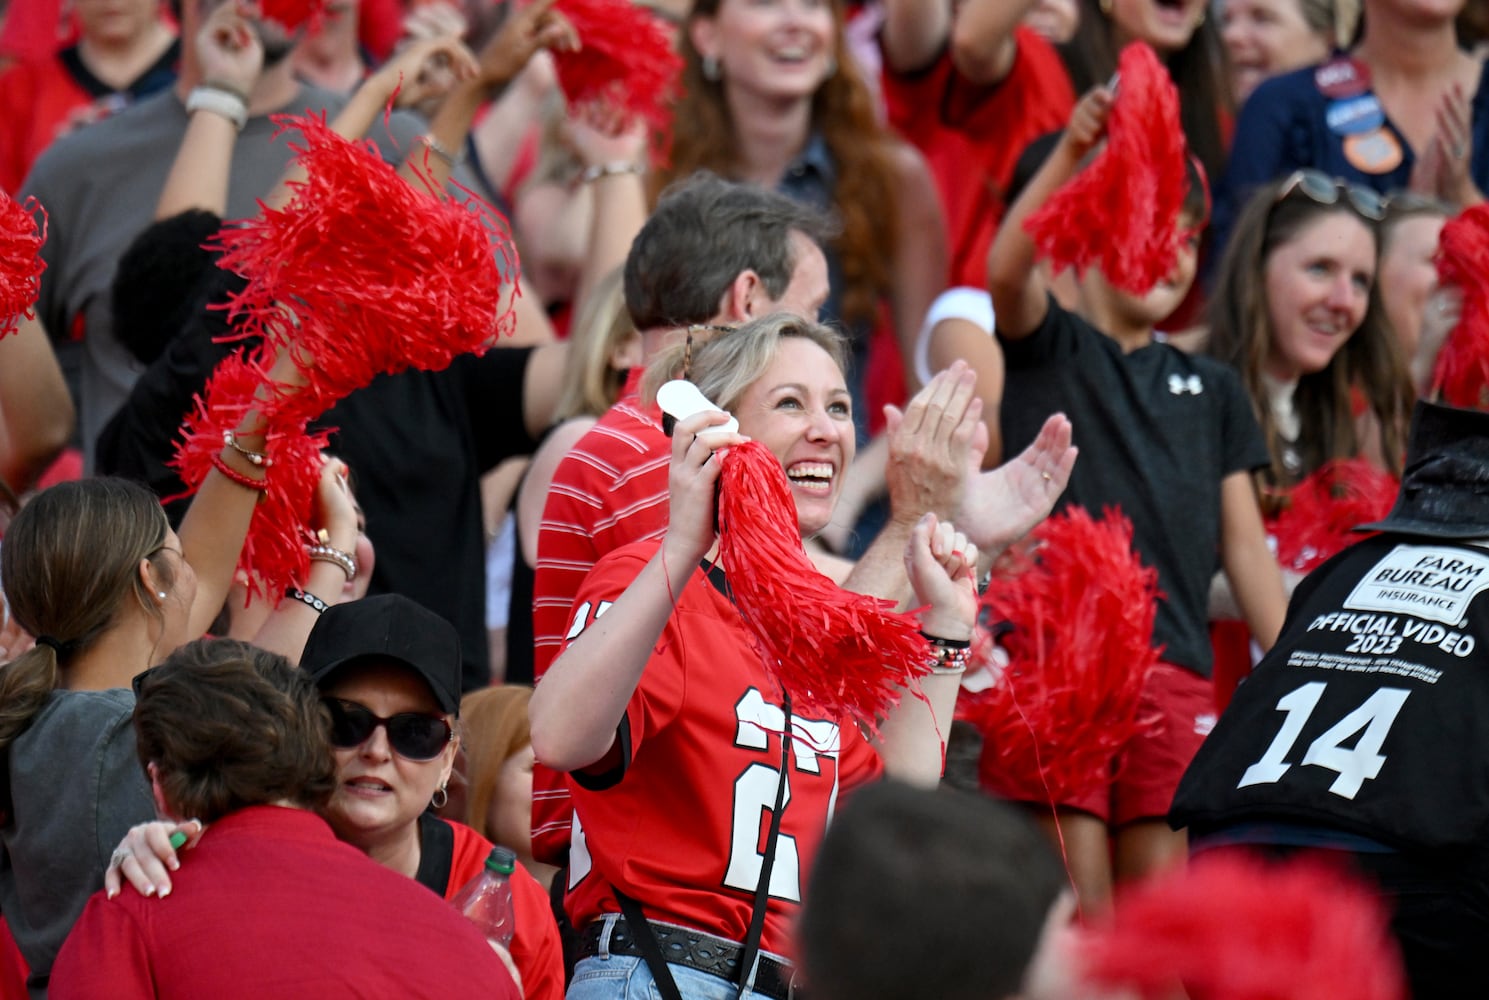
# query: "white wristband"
[[219, 102]]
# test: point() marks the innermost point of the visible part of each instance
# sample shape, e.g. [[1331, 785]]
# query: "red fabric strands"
[[627, 64], [836, 653], [273, 555], [1231, 927], [1462, 371], [21, 237], [366, 274], [291, 14], [1320, 513], [1082, 611], [1121, 212]]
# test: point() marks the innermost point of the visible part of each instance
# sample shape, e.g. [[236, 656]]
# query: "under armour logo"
[[1179, 385]]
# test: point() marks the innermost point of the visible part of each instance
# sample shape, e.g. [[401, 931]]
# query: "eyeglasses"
[[412, 735], [1322, 189]]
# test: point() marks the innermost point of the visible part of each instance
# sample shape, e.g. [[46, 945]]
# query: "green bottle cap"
[[501, 859], [177, 839]]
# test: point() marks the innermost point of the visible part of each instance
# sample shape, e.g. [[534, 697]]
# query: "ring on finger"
[[120, 855]]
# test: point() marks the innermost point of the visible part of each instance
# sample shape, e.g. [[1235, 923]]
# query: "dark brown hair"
[[1240, 335], [69, 563], [229, 725], [864, 198]]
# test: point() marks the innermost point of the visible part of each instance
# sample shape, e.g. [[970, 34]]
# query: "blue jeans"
[[626, 977]]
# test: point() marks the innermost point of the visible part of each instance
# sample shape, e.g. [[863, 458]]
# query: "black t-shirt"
[[1368, 715], [1158, 430], [417, 444]]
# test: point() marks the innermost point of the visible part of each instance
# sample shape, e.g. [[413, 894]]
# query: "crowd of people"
[[521, 613]]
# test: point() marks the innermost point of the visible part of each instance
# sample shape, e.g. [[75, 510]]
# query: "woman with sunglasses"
[[1406, 107], [389, 673], [1297, 311]]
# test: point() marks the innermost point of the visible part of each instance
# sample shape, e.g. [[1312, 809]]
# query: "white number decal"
[[1354, 765], [754, 798]]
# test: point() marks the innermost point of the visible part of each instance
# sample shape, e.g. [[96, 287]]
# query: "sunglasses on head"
[[412, 735], [1322, 189]]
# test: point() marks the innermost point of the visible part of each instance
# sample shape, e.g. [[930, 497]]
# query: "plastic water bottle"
[[486, 900]]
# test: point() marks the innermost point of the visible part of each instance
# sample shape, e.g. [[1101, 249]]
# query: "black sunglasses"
[[1322, 189], [412, 735]]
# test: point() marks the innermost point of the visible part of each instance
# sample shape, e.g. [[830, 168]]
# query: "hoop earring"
[[712, 72], [440, 799]]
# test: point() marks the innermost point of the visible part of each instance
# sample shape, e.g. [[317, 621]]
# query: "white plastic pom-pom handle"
[[680, 400]]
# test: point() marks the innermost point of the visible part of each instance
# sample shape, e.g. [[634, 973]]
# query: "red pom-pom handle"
[[21, 266], [1121, 213], [1080, 649], [839, 655]]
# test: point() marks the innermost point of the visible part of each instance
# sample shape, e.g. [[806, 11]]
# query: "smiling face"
[[780, 49], [1318, 290], [380, 794], [1408, 276], [1167, 25], [800, 409], [1266, 37]]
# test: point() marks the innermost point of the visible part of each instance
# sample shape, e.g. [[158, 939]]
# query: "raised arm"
[[1018, 288], [914, 33], [583, 697], [36, 412], [231, 58], [982, 43]]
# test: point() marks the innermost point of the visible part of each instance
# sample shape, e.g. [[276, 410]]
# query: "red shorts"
[[1147, 769]]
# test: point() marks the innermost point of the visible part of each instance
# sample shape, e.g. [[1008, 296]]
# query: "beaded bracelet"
[[258, 458], [308, 599], [951, 656], [439, 149], [613, 169], [326, 553], [257, 485]]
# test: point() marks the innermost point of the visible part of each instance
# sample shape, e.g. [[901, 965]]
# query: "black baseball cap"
[[388, 627]]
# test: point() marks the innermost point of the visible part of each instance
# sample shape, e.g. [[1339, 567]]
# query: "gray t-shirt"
[[100, 186], [77, 787]]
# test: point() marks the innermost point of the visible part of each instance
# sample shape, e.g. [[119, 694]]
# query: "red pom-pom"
[[21, 237], [839, 655], [291, 14], [367, 275], [627, 63], [1319, 514], [273, 555], [1121, 212], [1079, 652], [1462, 371], [1237, 928]]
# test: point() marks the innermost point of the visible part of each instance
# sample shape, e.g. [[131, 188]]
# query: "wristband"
[[452, 160], [220, 102], [612, 169], [308, 599]]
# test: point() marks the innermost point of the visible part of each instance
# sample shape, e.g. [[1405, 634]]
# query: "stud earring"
[[711, 69], [160, 594]]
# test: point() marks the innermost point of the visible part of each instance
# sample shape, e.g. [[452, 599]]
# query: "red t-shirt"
[[609, 490], [681, 827], [273, 905], [972, 136], [536, 948]]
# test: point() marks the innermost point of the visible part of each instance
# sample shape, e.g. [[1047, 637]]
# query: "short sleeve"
[[104, 956], [495, 386], [1243, 447], [1053, 338]]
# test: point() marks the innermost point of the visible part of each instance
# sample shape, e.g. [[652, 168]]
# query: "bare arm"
[[914, 33], [954, 338], [920, 259], [1249, 564], [1018, 289], [583, 697], [618, 209], [36, 412], [982, 43]]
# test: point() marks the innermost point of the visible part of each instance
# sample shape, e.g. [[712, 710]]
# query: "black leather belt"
[[696, 950]]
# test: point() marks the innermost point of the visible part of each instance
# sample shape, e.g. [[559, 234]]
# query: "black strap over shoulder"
[[436, 853]]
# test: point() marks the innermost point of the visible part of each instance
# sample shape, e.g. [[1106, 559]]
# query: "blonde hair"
[[494, 727], [591, 385], [725, 364]]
